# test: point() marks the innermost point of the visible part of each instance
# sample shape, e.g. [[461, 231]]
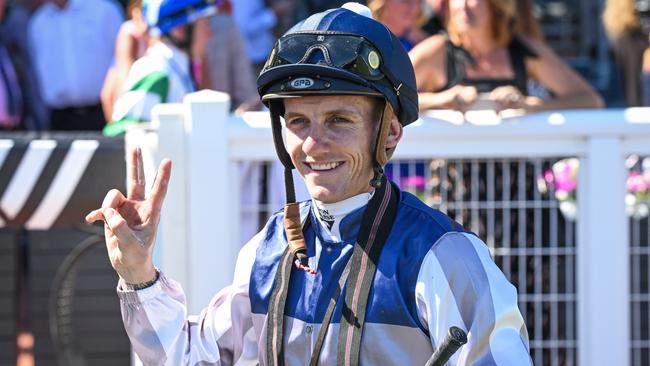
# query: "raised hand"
[[130, 223]]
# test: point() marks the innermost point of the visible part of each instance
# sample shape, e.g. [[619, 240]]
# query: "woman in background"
[[402, 17], [485, 56]]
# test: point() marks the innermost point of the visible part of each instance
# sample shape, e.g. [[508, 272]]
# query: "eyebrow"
[[343, 110]]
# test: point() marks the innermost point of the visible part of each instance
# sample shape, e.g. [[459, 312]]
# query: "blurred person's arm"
[[569, 89], [253, 104], [428, 58], [113, 19], [126, 52], [226, 67], [243, 81], [244, 88]]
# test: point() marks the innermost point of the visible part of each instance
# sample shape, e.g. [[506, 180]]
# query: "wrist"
[[143, 275], [134, 286]]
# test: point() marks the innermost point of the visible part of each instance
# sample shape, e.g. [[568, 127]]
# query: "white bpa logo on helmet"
[[302, 83]]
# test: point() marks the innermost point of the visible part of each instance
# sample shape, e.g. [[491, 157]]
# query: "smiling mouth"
[[323, 166]]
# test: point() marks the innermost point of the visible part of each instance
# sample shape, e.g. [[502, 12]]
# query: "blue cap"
[[163, 15]]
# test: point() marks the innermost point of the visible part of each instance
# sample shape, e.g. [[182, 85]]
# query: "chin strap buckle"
[[375, 182]]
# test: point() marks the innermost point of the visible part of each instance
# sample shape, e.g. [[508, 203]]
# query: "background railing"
[[582, 282]]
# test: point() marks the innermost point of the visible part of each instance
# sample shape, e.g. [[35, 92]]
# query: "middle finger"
[[136, 175]]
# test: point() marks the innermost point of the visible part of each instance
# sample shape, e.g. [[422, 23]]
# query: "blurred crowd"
[[92, 64]]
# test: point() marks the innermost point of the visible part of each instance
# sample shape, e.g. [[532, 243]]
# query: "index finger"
[[136, 179], [159, 189]]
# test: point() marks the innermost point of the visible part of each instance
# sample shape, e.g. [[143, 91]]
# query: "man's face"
[[330, 142], [182, 36]]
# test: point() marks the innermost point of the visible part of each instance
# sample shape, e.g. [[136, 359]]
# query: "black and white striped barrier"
[[53, 180], [49, 181]]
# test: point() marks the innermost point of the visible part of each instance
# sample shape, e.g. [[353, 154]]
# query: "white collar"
[[329, 215]]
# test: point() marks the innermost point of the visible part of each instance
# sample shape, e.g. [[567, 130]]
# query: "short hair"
[[502, 20]]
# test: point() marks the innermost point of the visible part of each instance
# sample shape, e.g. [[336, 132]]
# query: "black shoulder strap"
[[455, 60], [376, 224], [275, 313], [519, 52]]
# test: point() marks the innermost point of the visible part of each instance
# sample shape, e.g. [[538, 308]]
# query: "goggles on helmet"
[[339, 50]]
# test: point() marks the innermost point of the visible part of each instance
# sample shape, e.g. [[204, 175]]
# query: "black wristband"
[[143, 285]]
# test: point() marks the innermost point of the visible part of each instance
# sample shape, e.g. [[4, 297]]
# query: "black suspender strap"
[[328, 316], [376, 225], [360, 270], [275, 316]]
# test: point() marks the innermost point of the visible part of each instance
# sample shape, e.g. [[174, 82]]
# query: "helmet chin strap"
[[380, 152], [292, 221]]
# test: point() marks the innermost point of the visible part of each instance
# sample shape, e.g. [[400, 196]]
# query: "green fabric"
[[116, 128], [157, 83], [154, 83]]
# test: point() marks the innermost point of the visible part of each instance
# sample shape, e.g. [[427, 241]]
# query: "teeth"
[[326, 166]]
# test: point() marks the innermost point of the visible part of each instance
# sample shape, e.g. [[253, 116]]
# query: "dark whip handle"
[[452, 342]]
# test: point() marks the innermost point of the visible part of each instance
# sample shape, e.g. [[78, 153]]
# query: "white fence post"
[[603, 256], [173, 236], [211, 252]]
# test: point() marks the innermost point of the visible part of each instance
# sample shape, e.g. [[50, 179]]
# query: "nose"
[[316, 142]]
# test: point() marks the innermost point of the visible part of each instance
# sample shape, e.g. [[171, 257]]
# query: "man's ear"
[[394, 133], [394, 136]]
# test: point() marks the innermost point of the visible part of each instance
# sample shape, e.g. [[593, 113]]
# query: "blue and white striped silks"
[[431, 275]]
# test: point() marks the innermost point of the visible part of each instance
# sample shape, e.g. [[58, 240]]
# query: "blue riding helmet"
[[340, 52], [163, 15]]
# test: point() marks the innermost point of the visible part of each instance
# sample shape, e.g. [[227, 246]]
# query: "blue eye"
[[294, 122]]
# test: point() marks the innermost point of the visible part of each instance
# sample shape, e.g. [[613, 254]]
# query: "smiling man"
[[360, 274], [330, 141]]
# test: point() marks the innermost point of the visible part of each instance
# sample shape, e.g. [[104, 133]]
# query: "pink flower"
[[564, 176], [415, 181], [548, 176], [636, 183]]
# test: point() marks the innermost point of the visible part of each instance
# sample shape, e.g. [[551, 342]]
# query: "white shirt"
[[255, 21], [73, 48]]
